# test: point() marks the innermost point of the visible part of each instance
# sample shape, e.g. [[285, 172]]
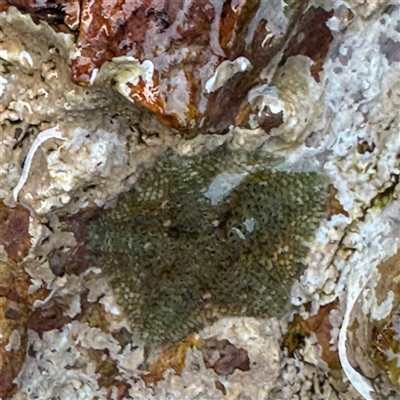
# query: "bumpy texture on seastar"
[[202, 237]]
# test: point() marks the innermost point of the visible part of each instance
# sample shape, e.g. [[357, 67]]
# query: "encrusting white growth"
[[225, 71], [362, 385], [51, 133]]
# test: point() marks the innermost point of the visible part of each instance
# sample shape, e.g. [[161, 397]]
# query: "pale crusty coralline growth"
[[362, 94], [92, 124], [71, 357]]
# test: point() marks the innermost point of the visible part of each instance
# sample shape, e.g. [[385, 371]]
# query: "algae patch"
[[185, 247]]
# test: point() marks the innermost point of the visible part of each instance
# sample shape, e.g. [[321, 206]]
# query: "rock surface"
[[315, 87], [196, 61]]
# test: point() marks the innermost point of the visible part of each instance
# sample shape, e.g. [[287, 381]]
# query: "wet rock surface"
[[197, 59], [314, 85]]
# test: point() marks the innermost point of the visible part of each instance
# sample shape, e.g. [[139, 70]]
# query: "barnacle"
[[179, 257]]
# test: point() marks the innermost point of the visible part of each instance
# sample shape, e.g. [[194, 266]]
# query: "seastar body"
[[198, 238]]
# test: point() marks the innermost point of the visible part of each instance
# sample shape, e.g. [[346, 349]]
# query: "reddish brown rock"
[[321, 326], [62, 15], [73, 261], [333, 204], [14, 235], [47, 318], [267, 120], [171, 357], [3, 5], [223, 357], [184, 46], [312, 39]]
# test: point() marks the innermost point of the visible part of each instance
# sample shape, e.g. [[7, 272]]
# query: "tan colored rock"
[[15, 308]]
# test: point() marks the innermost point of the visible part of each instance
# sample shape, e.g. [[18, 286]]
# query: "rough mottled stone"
[[62, 15], [177, 260], [223, 357], [14, 235], [312, 39], [198, 59], [380, 339], [299, 329], [15, 306], [186, 42]]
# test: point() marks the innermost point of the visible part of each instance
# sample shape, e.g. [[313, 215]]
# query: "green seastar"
[[198, 238]]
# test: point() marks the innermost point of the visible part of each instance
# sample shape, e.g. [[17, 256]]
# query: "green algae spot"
[[203, 237]]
